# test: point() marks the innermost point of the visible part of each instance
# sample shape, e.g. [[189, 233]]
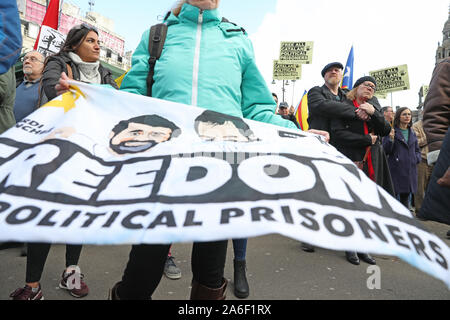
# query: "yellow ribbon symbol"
[[68, 99]]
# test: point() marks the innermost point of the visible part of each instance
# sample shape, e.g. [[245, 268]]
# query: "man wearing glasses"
[[27, 93]]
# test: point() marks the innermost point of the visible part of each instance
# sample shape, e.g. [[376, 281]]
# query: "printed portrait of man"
[[141, 133], [214, 126]]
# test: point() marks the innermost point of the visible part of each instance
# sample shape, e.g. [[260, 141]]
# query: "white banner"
[[99, 166]]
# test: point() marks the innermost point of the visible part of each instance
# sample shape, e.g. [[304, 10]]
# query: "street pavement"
[[277, 270]]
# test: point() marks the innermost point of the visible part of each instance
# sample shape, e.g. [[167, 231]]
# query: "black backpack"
[[157, 38]]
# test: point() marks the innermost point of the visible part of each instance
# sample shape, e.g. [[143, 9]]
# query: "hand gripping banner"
[[105, 167]]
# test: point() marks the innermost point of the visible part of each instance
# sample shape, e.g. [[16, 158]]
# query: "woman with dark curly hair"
[[77, 60]]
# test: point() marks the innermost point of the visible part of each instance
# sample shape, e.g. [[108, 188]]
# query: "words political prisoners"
[[60, 173]]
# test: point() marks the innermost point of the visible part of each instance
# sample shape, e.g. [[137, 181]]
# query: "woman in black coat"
[[79, 60], [355, 138]]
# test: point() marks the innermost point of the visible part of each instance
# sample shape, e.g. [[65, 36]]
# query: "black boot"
[[352, 257], [24, 250], [201, 292], [241, 289], [112, 294], [367, 258]]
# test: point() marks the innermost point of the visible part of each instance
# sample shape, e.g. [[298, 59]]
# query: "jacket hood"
[[191, 13]]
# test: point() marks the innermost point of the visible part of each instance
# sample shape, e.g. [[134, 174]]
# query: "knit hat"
[[364, 79]]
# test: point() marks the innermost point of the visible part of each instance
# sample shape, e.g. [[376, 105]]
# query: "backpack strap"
[[69, 71], [156, 41]]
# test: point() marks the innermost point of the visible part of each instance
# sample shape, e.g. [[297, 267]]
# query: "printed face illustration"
[[141, 134], [208, 131], [213, 126], [139, 137]]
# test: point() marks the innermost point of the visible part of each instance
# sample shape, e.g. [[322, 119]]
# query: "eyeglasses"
[[369, 86], [32, 59]]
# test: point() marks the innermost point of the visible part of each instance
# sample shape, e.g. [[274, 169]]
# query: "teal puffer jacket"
[[206, 63]]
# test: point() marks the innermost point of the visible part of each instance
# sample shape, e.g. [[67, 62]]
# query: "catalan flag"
[[347, 81], [301, 114]]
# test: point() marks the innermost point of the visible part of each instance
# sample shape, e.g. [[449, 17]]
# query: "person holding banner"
[[402, 147], [356, 140], [206, 62], [78, 58]]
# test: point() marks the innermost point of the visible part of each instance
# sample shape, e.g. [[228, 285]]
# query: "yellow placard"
[[424, 91], [391, 79], [286, 71], [297, 52]]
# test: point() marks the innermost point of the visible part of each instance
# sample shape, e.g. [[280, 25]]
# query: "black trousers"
[[37, 255], [404, 199], [146, 266]]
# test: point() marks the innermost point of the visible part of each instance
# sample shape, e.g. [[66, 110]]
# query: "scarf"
[[88, 70], [371, 171]]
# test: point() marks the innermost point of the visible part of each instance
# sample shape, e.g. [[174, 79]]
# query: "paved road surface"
[[277, 270]]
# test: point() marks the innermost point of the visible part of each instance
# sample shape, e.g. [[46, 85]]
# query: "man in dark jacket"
[[327, 102], [436, 121]]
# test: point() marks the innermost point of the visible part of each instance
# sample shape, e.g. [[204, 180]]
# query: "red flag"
[[50, 19]]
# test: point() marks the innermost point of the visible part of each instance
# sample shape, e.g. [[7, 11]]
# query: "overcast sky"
[[384, 33]]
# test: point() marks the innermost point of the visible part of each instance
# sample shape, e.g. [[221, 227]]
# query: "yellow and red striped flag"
[[301, 114]]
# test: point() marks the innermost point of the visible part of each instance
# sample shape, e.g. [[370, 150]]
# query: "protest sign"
[[424, 91], [286, 71], [50, 41], [105, 167], [296, 52], [391, 79]]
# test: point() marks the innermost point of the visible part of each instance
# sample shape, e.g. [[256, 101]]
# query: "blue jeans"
[[240, 249]]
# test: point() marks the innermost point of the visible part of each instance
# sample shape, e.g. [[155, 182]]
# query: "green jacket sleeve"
[[135, 80], [257, 101]]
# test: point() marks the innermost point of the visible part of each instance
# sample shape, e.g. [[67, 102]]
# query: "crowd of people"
[[403, 158]]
